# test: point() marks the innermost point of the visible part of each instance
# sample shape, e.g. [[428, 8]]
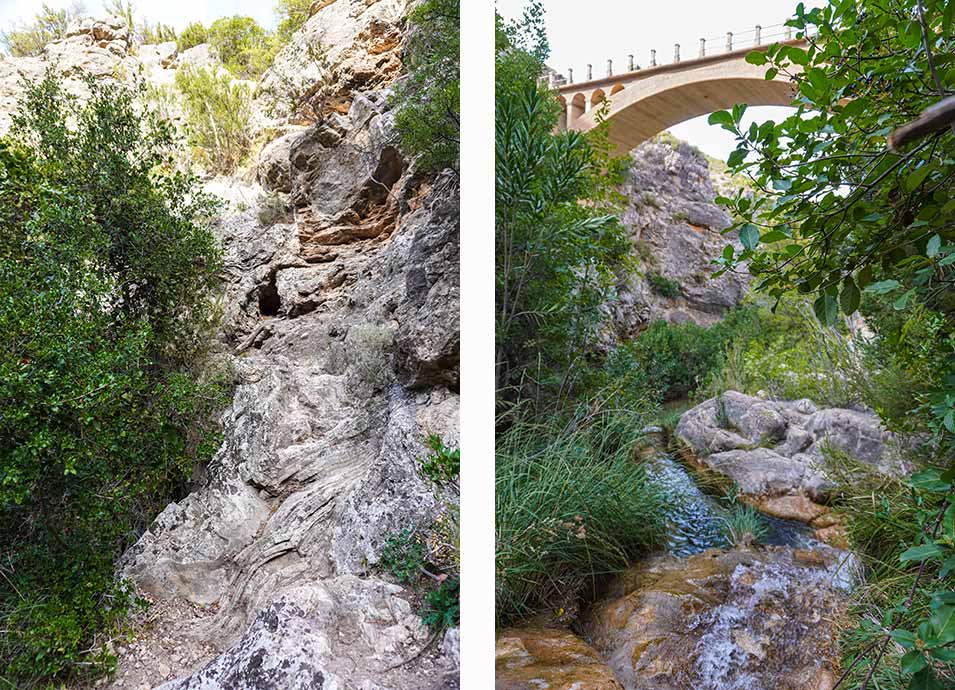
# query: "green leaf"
[[850, 297], [736, 158], [913, 661], [826, 309], [916, 177], [749, 236], [882, 287], [904, 637], [925, 680], [934, 244], [756, 57], [721, 117], [948, 522], [903, 300], [921, 553], [771, 73], [943, 620], [798, 56]]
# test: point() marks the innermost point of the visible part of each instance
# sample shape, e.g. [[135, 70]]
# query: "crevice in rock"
[[270, 302]]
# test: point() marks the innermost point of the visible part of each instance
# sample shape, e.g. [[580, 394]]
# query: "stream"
[[696, 518]]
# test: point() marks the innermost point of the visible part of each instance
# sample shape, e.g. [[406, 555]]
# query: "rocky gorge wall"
[[676, 230], [341, 328]]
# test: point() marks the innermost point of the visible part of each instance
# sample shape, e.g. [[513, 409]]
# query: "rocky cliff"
[[341, 328], [676, 230]]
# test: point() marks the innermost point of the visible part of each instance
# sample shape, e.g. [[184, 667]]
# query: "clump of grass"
[[744, 526], [572, 505]]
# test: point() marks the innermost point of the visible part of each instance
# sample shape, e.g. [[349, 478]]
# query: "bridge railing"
[[729, 42]]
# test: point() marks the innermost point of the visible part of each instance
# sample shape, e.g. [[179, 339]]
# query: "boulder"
[[548, 659], [739, 618], [775, 451], [274, 168]]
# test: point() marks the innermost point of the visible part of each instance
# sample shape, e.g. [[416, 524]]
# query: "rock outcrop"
[[774, 451], [725, 620], [549, 659], [675, 227]]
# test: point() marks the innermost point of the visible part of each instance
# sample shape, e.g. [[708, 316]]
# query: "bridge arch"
[[578, 107], [596, 97], [653, 100]]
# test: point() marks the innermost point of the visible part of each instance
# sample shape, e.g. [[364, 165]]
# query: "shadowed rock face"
[[735, 620], [675, 226]]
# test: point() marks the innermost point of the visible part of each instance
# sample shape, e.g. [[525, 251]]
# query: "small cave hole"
[[269, 300]]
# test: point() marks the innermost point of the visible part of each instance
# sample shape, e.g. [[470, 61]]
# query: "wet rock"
[[549, 659], [718, 620]]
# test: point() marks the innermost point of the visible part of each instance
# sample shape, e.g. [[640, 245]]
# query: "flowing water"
[[696, 519]]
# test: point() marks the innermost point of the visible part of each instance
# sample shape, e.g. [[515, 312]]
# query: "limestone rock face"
[[773, 450], [549, 659], [716, 620], [347, 46], [96, 48], [675, 227], [343, 326]]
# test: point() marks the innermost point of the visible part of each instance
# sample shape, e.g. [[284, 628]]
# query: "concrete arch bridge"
[[645, 102]]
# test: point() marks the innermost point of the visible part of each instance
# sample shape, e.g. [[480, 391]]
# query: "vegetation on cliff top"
[[106, 305]]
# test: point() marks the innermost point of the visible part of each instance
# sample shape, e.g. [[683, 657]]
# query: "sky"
[[594, 30], [177, 13]]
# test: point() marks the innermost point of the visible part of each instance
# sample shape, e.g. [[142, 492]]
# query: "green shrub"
[[217, 115], [443, 605], [673, 361], [572, 505], [107, 272], [48, 24], [156, 33], [244, 47], [444, 465], [428, 100], [663, 286], [292, 15], [403, 555], [193, 35]]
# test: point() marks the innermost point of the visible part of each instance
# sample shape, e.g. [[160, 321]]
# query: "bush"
[[107, 268], [217, 115], [193, 35], [663, 286], [244, 47], [444, 465], [572, 505], [428, 100], [443, 605], [673, 361], [49, 24], [292, 15]]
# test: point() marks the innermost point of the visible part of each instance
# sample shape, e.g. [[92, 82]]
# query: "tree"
[[193, 35], [558, 243], [107, 272], [428, 100], [48, 25], [844, 217], [244, 47], [292, 15]]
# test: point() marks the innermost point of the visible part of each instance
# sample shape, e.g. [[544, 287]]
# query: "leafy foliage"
[[105, 309], [244, 47], [842, 216], [48, 24], [428, 99], [217, 115], [558, 243], [443, 605], [663, 286], [292, 15], [194, 34], [444, 465], [403, 555]]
